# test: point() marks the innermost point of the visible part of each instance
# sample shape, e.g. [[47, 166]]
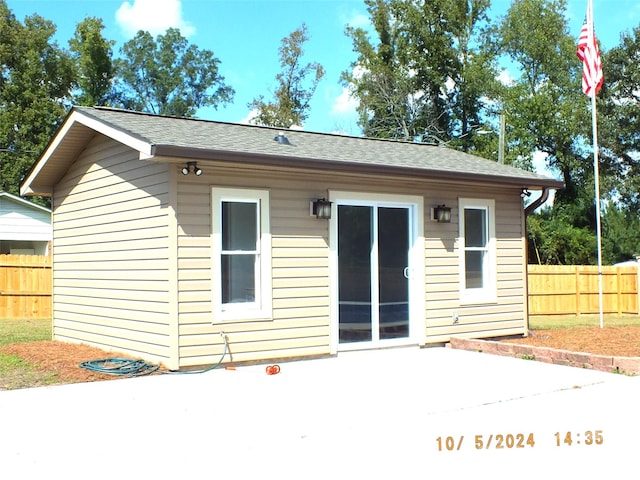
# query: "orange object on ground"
[[273, 369]]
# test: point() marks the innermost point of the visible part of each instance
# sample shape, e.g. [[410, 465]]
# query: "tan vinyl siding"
[[506, 316], [111, 286], [300, 277], [300, 257]]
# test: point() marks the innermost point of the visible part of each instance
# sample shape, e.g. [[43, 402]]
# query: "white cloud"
[[153, 16], [250, 118], [358, 72], [358, 20], [344, 104], [506, 78], [540, 163]]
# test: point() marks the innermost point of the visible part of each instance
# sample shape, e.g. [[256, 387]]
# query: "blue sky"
[[245, 36]]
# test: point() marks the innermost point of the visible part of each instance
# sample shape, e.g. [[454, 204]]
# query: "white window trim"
[[261, 309], [488, 293]]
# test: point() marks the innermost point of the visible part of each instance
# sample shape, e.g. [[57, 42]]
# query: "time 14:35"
[[588, 437]]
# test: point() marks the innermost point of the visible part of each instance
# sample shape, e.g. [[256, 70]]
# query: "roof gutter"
[[537, 202]]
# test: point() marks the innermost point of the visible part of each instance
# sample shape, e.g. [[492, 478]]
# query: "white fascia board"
[[24, 202], [145, 148]]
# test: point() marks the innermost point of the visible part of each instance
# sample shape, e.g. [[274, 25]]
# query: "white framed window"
[[241, 273], [477, 250]]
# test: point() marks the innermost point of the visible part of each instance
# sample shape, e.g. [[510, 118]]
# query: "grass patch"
[[571, 321], [15, 372], [21, 330]]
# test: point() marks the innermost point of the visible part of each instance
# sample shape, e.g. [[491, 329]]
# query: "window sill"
[[241, 317]]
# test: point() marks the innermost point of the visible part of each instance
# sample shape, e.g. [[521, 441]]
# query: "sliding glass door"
[[374, 243]]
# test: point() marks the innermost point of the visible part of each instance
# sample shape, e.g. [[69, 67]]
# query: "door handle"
[[406, 272]]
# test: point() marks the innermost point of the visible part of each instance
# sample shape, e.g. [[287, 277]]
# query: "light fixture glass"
[[321, 208], [442, 214], [192, 167]]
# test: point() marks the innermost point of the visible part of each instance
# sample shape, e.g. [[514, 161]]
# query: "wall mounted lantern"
[[321, 208], [192, 167], [442, 214]]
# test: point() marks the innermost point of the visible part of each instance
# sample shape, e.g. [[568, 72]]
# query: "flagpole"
[[596, 175], [596, 170]]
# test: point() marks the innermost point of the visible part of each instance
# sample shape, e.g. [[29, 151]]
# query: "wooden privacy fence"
[[573, 290], [25, 286]]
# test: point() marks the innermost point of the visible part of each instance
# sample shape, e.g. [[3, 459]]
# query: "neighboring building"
[[171, 234], [25, 227]]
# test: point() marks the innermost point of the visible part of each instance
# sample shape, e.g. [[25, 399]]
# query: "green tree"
[[548, 114], [619, 118], [620, 233], [541, 104], [380, 80], [561, 235], [35, 91], [167, 76], [425, 74], [94, 62], [290, 105]]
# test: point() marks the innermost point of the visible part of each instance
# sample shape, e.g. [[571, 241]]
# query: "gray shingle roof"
[[203, 139], [200, 137]]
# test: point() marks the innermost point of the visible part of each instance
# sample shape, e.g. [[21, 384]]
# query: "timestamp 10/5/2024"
[[502, 441]]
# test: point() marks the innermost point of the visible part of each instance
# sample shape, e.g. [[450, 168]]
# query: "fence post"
[[619, 289], [578, 300], [638, 284]]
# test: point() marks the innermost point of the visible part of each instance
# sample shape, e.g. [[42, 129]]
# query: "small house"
[[174, 236], [25, 227]]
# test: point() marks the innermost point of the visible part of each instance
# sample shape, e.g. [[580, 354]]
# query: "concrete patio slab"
[[401, 413]]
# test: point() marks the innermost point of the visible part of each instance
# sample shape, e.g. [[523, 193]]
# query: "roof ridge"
[[254, 126]]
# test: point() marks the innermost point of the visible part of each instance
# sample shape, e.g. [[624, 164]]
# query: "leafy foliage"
[[619, 116], [540, 104], [93, 57], [36, 78], [167, 76], [290, 105], [424, 74]]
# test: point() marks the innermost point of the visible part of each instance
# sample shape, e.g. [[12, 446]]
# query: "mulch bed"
[[614, 341], [61, 359]]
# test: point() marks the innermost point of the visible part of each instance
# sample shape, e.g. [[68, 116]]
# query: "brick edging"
[[604, 363]]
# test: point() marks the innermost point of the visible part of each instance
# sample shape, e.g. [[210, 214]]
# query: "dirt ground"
[[59, 362], [616, 341]]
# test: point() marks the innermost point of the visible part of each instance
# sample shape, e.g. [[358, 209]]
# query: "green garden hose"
[[120, 366], [136, 368]]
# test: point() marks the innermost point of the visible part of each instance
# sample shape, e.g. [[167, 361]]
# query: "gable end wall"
[[110, 242]]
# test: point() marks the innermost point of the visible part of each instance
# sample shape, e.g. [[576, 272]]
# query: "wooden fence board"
[[574, 290], [25, 286]]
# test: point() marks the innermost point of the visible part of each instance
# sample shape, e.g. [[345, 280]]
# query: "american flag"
[[588, 53]]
